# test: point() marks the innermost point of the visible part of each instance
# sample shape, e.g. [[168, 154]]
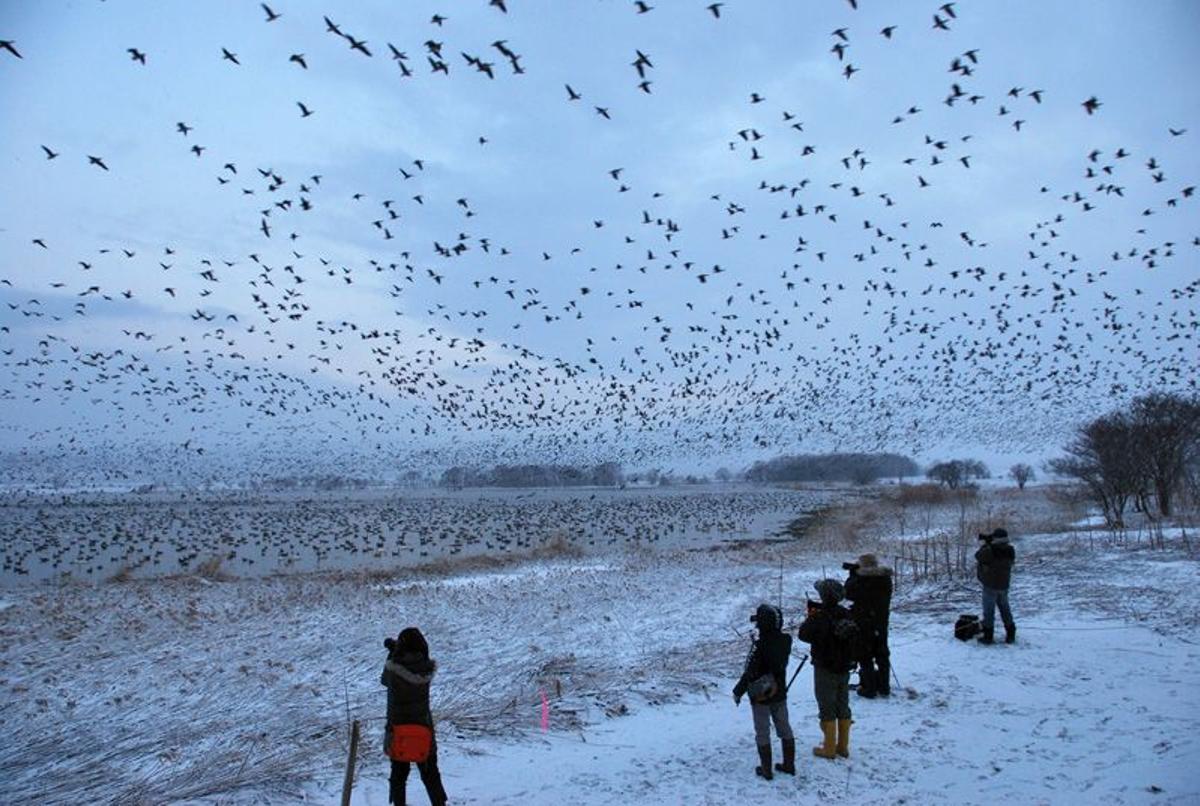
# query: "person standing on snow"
[[869, 588], [765, 678], [827, 628], [994, 562], [407, 674]]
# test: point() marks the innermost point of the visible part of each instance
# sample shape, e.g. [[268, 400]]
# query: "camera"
[[851, 567], [811, 605], [986, 538], [389, 644]]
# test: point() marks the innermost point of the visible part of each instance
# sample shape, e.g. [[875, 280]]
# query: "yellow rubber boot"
[[828, 748], [843, 737]]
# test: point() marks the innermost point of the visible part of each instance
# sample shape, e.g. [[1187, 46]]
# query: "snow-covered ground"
[[191, 691], [1097, 702]]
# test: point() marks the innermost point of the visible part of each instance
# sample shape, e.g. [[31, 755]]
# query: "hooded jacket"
[[869, 590], [995, 560], [407, 677], [768, 655]]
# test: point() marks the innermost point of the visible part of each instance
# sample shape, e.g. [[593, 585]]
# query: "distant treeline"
[[860, 468], [605, 474]]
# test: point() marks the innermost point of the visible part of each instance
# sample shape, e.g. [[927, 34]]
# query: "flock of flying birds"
[[729, 358]]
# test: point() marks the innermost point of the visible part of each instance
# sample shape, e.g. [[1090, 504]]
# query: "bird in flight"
[[271, 15], [232, 57], [298, 58], [136, 55], [715, 8], [10, 46], [49, 154], [304, 110], [97, 161], [1091, 104]]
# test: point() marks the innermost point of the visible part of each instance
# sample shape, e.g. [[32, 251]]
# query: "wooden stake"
[[348, 785]]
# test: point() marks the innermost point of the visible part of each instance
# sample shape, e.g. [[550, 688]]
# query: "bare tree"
[[1022, 474], [1107, 456], [949, 474], [1168, 426]]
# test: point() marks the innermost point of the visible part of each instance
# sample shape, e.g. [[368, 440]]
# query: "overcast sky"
[[908, 308]]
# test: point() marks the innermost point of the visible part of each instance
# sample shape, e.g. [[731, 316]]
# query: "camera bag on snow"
[[967, 627], [407, 742]]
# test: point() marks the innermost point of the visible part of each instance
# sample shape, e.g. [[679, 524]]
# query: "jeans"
[[765, 714], [993, 598]]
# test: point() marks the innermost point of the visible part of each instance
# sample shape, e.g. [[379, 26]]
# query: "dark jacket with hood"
[[407, 675], [995, 561], [768, 655], [870, 591], [828, 651]]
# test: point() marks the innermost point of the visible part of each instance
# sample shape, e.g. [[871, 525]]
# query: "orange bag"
[[408, 742]]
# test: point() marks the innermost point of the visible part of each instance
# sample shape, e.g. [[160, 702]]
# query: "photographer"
[[829, 628], [869, 588], [764, 677], [407, 675], [994, 562]]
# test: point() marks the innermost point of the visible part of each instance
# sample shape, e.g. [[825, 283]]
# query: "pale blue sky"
[[539, 185]]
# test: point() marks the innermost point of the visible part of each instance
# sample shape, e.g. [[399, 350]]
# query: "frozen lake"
[[96, 535]]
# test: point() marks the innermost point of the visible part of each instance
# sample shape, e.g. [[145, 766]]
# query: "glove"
[[737, 699]]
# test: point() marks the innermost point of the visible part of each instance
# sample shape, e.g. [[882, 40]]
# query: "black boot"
[[789, 757], [1010, 633], [866, 680], [988, 636], [763, 769], [883, 681]]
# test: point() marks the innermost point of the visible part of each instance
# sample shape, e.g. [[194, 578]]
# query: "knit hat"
[[999, 534], [830, 591], [768, 618], [867, 561]]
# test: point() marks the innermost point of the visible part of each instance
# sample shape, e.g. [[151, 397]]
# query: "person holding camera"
[[869, 588], [994, 562], [409, 737], [831, 631], [764, 678]]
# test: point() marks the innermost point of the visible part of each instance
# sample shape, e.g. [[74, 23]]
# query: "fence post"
[[348, 784]]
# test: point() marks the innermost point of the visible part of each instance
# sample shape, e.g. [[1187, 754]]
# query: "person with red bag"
[[409, 735]]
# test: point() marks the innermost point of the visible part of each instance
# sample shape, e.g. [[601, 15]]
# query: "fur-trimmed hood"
[[421, 675], [868, 566]]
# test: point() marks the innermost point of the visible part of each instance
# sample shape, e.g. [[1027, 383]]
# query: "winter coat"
[[407, 678], [994, 564], [870, 591], [828, 651], [768, 655]]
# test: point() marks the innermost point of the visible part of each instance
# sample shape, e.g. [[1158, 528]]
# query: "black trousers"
[[430, 776], [874, 667]]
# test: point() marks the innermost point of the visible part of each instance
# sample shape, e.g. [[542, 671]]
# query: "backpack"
[[967, 627], [848, 642]]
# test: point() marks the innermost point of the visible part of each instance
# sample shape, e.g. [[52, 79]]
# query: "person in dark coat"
[[769, 658], [994, 563], [832, 659], [407, 675], [869, 588]]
